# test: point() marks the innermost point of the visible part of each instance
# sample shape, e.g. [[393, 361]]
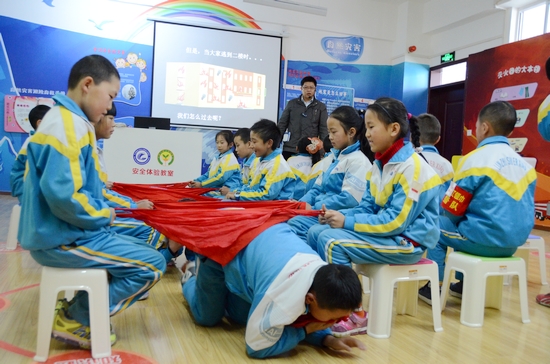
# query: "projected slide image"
[[212, 86]]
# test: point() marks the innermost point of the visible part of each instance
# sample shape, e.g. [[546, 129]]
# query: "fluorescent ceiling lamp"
[[291, 5]]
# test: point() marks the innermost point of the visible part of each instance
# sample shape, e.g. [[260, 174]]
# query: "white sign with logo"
[[153, 156]]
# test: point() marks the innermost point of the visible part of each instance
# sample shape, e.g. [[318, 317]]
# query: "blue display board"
[[35, 60]]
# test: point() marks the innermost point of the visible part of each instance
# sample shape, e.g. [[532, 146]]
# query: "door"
[[446, 103]]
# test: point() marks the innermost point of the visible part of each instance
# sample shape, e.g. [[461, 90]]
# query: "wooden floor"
[[161, 328]]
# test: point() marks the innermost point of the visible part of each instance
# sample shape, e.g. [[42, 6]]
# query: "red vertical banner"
[[515, 73]]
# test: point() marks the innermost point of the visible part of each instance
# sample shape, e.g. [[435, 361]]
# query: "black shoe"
[[456, 289], [425, 293]]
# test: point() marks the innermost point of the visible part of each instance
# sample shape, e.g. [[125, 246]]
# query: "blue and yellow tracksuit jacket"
[[18, 170], [443, 167], [128, 226], [274, 273], [491, 199], [401, 199], [223, 171], [247, 168], [112, 198], [300, 164], [318, 169], [62, 198], [272, 179], [342, 185]]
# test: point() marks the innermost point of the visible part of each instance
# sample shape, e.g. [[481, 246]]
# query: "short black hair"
[[308, 79], [112, 111], [267, 129], [501, 115], [337, 286], [244, 134], [430, 128], [37, 113], [302, 145], [95, 66]]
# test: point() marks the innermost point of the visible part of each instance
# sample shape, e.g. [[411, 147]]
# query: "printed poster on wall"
[[339, 84]]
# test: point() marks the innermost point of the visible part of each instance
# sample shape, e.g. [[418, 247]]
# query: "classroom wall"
[[42, 39], [435, 26]]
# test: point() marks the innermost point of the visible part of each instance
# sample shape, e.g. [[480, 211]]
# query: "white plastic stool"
[[534, 242], [383, 278], [11, 243], [482, 285], [94, 281]]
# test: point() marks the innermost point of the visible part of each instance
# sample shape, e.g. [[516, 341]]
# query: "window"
[[444, 75], [533, 20]]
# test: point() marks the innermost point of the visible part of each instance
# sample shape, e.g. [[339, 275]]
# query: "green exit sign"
[[447, 57]]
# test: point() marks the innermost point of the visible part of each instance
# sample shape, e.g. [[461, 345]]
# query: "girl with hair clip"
[[309, 153], [397, 219], [342, 185], [224, 169]]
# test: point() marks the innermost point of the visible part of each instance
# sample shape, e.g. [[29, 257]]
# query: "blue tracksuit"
[[442, 166], [489, 206], [264, 287], [444, 169], [17, 173], [247, 168], [223, 171], [272, 179], [64, 219], [395, 221], [301, 167], [318, 169], [341, 186], [126, 225]]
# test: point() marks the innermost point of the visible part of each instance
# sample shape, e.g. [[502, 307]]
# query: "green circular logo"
[[165, 157]]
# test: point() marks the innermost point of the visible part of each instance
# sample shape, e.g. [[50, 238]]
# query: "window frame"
[[520, 16]]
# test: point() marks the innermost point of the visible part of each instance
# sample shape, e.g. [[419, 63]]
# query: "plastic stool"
[[94, 281], [482, 286], [534, 242], [383, 278], [11, 243]]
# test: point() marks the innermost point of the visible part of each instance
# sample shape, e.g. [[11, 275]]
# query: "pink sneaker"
[[544, 299], [354, 325]]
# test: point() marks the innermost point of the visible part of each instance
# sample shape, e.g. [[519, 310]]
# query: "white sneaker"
[[189, 270], [144, 296]]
